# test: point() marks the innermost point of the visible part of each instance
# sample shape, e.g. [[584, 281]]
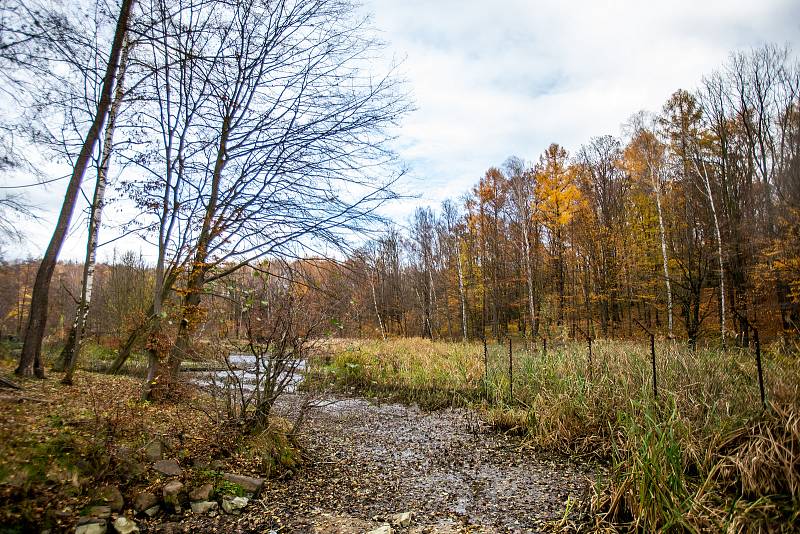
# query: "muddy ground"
[[369, 460]]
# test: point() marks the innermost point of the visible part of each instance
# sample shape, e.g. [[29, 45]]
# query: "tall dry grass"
[[701, 457]]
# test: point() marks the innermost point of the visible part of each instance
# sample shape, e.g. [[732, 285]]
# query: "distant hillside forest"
[[689, 223]]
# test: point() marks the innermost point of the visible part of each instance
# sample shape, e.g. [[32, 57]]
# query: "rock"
[[123, 525], [383, 529], [152, 511], [128, 463], [113, 497], [93, 526], [154, 450], [203, 493], [248, 484], [168, 467], [143, 501], [234, 505], [402, 519], [102, 511], [172, 490], [203, 507]]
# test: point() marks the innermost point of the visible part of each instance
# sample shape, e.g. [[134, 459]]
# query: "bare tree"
[[30, 359], [72, 350], [450, 218], [523, 186], [281, 141]]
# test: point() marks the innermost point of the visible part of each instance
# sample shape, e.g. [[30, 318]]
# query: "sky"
[[494, 79]]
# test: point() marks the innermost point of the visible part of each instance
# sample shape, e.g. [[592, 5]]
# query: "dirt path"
[[373, 460]]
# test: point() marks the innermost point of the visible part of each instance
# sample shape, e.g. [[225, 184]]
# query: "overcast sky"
[[498, 78], [491, 79]]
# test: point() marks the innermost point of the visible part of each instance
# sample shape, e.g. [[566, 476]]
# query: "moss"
[[223, 487], [273, 449]]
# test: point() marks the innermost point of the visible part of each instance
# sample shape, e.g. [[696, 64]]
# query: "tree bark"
[[95, 219], [719, 252], [165, 365], [375, 304], [30, 361], [664, 259], [461, 294]]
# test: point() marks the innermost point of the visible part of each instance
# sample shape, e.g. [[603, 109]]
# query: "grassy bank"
[[62, 443], [702, 456]]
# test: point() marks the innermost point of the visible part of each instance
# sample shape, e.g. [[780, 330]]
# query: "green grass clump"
[[701, 456]]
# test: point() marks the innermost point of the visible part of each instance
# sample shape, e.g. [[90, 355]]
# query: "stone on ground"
[[152, 511], [248, 484], [168, 467], [113, 497], [203, 507], [92, 526], [123, 525], [203, 493], [144, 500], [172, 491], [403, 519], [154, 451], [234, 505], [383, 529]]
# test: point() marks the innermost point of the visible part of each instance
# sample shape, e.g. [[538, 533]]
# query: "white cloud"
[[492, 79]]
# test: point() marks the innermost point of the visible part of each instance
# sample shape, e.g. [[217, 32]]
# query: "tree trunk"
[[529, 276], [719, 253], [95, 219], [664, 259], [461, 295], [30, 361], [375, 304], [164, 365]]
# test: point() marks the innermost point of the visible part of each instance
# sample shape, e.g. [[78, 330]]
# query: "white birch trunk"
[[665, 260], [461, 294], [95, 218], [719, 250]]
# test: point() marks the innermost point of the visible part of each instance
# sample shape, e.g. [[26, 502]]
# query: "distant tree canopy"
[[689, 224]]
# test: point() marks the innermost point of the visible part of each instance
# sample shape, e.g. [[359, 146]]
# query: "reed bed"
[[701, 455]]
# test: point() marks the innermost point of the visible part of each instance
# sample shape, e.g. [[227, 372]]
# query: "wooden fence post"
[[485, 369], [652, 354], [510, 370]]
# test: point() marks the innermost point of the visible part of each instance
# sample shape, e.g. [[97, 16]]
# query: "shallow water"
[[247, 371], [377, 459]]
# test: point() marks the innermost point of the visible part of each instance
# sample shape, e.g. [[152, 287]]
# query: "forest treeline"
[[688, 224], [228, 133]]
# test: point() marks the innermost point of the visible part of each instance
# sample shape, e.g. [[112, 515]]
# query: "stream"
[[369, 460], [245, 371]]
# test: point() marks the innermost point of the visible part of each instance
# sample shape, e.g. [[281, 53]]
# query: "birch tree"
[[30, 362]]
